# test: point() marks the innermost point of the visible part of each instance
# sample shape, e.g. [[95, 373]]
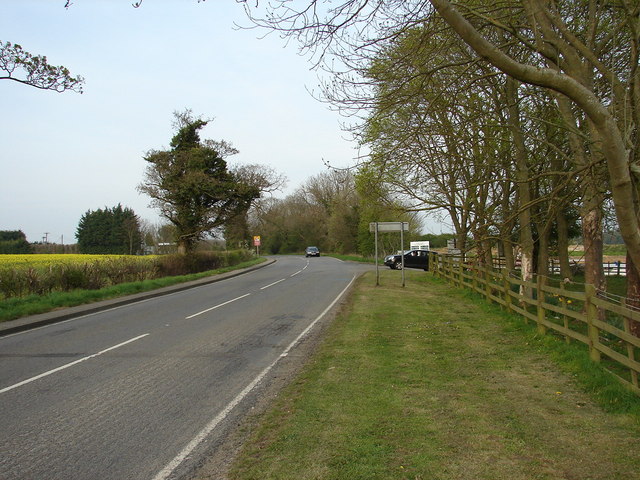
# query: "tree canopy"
[[113, 230], [20, 66], [192, 186], [14, 241], [331, 210]]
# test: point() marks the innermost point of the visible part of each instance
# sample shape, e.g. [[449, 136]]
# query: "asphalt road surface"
[[137, 391]]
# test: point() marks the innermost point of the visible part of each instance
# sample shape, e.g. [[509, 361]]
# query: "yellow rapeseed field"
[[40, 274], [47, 260]]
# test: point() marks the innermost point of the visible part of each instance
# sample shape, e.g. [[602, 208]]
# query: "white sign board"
[[389, 226]]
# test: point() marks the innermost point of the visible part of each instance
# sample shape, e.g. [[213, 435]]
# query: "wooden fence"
[[585, 315], [610, 268]]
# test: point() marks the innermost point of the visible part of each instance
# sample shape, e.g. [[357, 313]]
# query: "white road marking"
[[294, 274], [206, 431], [217, 306], [272, 284], [32, 379]]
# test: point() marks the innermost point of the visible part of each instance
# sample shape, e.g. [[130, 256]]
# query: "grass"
[[429, 382], [615, 250], [13, 308], [612, 249]]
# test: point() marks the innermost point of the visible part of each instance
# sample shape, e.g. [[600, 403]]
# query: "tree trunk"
[[488, 254], [592, 238], [633, 286], [506, 234], [543, 250], [461, 243], [563, 245], [509, 257], [522, 177], [633, 294]]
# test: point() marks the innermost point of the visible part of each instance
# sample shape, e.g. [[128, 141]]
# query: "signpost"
[[375, 227], [256, 243]]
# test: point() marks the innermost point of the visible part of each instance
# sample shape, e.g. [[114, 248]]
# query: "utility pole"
[[46, 237]]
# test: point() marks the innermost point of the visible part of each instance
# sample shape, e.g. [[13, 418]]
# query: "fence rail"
[[584, 316], [610, 268]]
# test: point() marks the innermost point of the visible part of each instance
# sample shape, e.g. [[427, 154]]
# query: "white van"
[[423, 245]]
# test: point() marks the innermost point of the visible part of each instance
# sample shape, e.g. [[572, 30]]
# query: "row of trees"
[[493, 154], [195, 191], [110, 231], [520, 119], [332, 211], [323, 212], [14, 242]]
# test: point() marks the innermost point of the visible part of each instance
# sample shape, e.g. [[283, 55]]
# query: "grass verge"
[[13, 308], [428, 382]]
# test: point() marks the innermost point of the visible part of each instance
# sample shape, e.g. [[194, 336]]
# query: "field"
[[25, 275], [22, 275], [46, 261]]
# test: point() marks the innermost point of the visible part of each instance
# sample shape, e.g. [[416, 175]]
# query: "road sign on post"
[[256, 243], [401, 227], [389, 227]]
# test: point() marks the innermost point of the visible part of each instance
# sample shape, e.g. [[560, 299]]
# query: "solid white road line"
[[217, 306], [32, 379], [186, 451]]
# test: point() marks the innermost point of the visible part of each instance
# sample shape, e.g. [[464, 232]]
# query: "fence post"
[[445, 266], [592, 316], [630, 351], [565, 304], [475, 274], [539, 301], [488, 276], [506, 285]]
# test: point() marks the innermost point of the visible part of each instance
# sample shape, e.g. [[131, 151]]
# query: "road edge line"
[[206, 431]]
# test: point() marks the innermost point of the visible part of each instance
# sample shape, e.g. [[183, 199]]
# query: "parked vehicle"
[[312, 252], [412, 259]]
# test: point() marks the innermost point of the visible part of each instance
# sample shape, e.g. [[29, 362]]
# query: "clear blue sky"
[[64, 154]]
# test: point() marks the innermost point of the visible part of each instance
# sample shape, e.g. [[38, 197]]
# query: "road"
[[136, 392]]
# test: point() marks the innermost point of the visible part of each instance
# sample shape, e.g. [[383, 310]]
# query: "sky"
[[63, 154]]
